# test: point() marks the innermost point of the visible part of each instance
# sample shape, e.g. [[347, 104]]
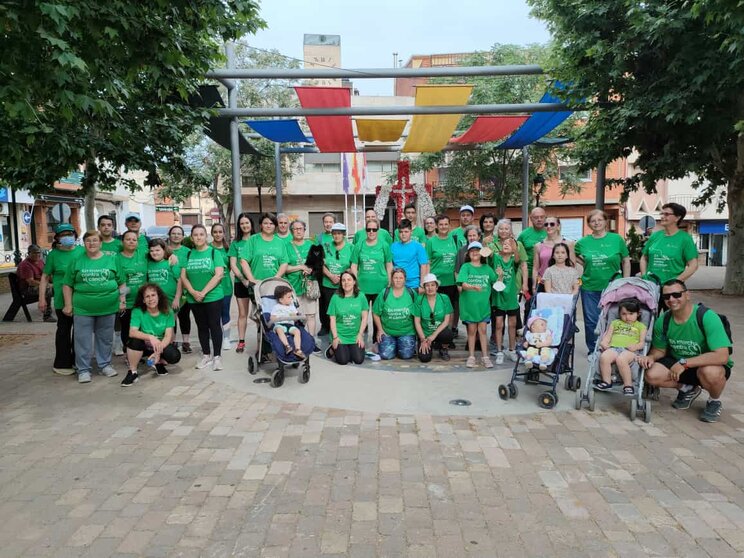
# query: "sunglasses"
[[551, 224], [336, 254], [676, 295], [372, 230]]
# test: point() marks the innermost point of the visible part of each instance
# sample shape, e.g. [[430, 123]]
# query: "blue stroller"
[[559, 311], [265, 301]]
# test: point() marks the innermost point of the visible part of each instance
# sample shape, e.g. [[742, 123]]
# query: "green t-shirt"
[[95, 285], [668, 255], [143, 245], [181, 252], [57, 262], [164, 275], [372, 266], [417, 233], [227, 283], [442, 257], [496, 246], [134, 273], [337, 261], [602, 257], [506, 299], [325, 240], [686, 340], [236, 250], [265, 256], [297, 256], [152, 325], [361, 236], [529, 237], [200, 267], [475, 305], [431, 320], [395, 312], [112, 247], [348, 312], [626, 334], [459, 235]]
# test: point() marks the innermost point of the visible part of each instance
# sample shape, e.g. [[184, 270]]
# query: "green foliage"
[[106, 84], [635, 243]]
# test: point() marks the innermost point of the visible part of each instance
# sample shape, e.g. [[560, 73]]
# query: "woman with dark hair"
[[488, 228], [242, 290], [266, 254], [442, 251], [150, 333], [298, 272], [472, 234], [64, 252], [562, 276], [220, 243], [202, 278], [133, 268], [337, 260], [348, 320], [543, 250], [670, 253], [432, 314], [175, 244], [392, 314], [430, 227], [164, 274]]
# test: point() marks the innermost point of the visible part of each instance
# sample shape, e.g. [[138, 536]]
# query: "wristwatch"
[[683, 362]]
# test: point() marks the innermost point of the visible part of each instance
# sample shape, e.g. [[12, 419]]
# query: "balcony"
[[686, 201]]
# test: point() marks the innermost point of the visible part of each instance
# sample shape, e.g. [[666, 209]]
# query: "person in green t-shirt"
[[337, 260], [243, 289], [417, 233], [164, 274], [686, 356], [348, 312], [466, 220], [603, 255], [531, 236], [93, 291], [505, 302], [110, 245], [265, 255], [394, 320], [133, 223], [442, 249], [361, 235], [430, 227], [151, 333], [202, 280], [176, 247], [64, 252], [219, 243], [432, 313], [670, 253], [325, 239], [475, 280], [133, 268], [298, 272]]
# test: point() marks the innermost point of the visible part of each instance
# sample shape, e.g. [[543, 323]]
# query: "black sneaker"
[[685, 398], [161, 370], [186, 348], [712, 411], [444, 354], [455, 332], [131, 378], [323, 332]]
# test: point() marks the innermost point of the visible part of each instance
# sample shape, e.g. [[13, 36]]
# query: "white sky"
[[371, 31]]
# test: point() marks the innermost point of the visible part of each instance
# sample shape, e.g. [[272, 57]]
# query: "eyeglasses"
[[372, 230], [667, 213], [676, 295], [551, 224]]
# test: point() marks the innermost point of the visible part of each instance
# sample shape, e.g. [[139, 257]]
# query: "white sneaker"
[[64, 371], [226, 343], [512, 355], [217, 363], [108, 371], [499, 357], [205, 361], [118, 347]]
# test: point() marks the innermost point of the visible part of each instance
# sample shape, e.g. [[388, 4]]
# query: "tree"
[[105, 85], [485, 172], [666, 78]]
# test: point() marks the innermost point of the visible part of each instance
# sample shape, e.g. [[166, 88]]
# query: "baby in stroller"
[[283, 316], [537, 344], [623, 340]]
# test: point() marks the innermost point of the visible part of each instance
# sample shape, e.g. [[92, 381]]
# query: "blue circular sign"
[[26, 217]]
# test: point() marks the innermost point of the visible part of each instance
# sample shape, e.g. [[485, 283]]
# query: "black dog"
[[314, 260]]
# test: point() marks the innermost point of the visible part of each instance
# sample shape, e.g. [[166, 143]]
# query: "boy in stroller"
[[283, 316], [623, 340]]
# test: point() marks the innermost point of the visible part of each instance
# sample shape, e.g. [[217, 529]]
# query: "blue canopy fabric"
[[280, 131], [537, 125]]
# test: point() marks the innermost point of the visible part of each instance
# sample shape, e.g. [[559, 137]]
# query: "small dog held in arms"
[[314, 261]]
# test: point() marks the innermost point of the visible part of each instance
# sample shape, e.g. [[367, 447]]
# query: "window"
[[315, 221], [323, 167], [572, 171], [381, 166]]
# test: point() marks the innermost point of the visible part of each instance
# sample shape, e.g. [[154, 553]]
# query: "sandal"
[[288, 350], [299, 354], [628, 391], [240, 347], [603, 386]]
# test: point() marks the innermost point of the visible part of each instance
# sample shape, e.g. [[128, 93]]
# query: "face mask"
[[67, 241]]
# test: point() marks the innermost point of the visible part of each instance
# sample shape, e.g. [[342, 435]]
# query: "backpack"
[[409, 289], [188, 254], [701, 310]]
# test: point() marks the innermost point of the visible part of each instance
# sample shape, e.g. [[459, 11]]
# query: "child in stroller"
[[537, 344], [283, 316], [624, 339]]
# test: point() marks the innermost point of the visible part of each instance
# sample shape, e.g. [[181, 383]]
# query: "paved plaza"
[[211, 464]]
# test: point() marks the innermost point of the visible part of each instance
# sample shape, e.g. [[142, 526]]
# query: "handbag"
[[312, 288]]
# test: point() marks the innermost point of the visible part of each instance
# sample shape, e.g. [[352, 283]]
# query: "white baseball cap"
[[467, 208], [475, 246], [338, 227]]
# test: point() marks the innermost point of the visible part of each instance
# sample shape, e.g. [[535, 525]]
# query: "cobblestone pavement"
[[187, 466]]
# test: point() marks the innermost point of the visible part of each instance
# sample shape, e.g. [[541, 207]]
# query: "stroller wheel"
[[576, 383], [513, 391], [647, 411], [633, 409], [590, 399], [503, 392], [579, 400], [567, 382], [277, 378], [252, 364], [304, 376], [547, 400]]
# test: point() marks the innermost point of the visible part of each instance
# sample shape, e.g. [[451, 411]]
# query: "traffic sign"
[[26, 218], [647, 223]]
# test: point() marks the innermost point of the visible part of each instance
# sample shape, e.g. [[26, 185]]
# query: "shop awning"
[[280, 131], [430, 133], [490, 128], [332, 134]]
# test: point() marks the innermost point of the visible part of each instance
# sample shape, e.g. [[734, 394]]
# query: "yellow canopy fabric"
[[432, 132], [371, 129]]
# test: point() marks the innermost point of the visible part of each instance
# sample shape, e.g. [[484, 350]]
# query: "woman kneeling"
[[151, 333], [394, 320], [347, 313], [432, 315]]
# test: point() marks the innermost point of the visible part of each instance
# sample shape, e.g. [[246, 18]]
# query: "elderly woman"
[[670, 253], [348, 320], [337, 260], [64, 252], [93, 292], [432, 314], [298, 272], [603, 255], [543, 250], [393, 318], [150, 333]]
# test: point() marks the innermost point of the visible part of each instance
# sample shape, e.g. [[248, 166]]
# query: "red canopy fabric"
[[332, 134], [490, 128]]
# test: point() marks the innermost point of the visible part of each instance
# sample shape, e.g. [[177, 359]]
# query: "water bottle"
[[150, 361]]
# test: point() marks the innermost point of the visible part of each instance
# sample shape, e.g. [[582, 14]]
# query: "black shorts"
[[499, 313], [241, 291], [689, 376]]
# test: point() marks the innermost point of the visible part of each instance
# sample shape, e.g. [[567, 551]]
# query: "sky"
[[371, 31]]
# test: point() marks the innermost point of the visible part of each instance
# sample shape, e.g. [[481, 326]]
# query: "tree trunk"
[[734, 282], [90, 208]]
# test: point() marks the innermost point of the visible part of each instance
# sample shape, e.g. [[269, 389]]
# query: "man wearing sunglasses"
[[687, 357]]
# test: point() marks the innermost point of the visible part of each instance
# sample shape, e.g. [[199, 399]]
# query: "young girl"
[[506, 302], [220, 243], [162, 273], [562, 276], [620, 344], [474, 282], [283, 317]]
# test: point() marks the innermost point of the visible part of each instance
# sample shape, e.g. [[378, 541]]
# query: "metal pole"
[[398, 110], [232, 101], [525, 187], [375, 73], [278, 177], [14, 219], [600, 194]]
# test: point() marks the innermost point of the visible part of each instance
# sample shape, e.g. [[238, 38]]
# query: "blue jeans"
[[590, 306], [226, 309], [405, 346], [86, 328]]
